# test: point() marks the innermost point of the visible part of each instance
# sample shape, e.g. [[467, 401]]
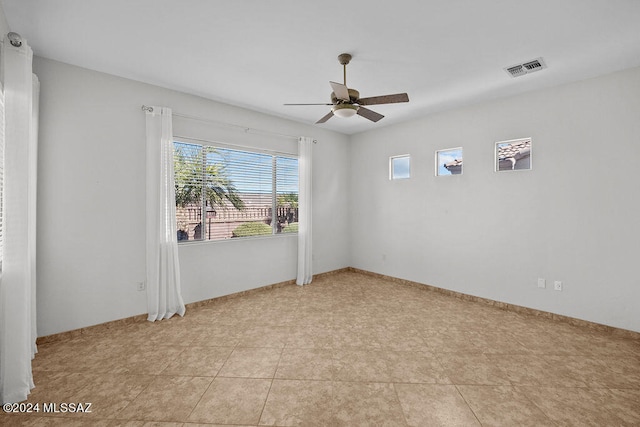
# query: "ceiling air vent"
[[526, 68]]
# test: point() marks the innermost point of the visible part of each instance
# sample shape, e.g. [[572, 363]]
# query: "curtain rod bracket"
[[147, 109]]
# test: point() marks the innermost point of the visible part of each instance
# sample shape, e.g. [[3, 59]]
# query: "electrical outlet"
[[557, 285], [542, 283], [140, 286]]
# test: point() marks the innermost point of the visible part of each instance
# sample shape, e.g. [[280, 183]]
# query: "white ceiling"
[[261, 54]]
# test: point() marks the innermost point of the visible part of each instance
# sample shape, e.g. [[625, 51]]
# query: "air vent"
[[526, 68], [517, 70]]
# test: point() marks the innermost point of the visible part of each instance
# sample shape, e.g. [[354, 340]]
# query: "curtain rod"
[[243, 128]]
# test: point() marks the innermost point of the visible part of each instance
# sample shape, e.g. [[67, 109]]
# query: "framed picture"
[[514, 154], [449, 161]]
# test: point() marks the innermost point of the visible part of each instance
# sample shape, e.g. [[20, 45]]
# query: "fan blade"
[[307, 104], [341, 91], [325, 118], [368, 114], [384, 99]]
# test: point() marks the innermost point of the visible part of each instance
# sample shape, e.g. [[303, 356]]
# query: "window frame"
[[510, 142], [273, 194], [438, 161], [392, 168]]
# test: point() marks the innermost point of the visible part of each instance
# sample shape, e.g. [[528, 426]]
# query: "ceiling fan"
[[346, 102]]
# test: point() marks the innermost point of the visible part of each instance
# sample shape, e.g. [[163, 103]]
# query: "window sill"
[[238, 239]]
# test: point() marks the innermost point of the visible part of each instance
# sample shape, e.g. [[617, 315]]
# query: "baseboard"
[[140, 318], [508, 307], [91, 330]]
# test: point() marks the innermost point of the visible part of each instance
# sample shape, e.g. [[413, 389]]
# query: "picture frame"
[[449, 161], [513, 155]]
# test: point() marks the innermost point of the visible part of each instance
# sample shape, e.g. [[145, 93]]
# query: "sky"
[[401, 167]]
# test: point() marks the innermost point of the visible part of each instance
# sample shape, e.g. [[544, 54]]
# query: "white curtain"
[[164, 297], [305, 275], [18, 277]]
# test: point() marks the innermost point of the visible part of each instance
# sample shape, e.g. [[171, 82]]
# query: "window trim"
[[512, 141], [391, 168], [437, 160], [230, 146]]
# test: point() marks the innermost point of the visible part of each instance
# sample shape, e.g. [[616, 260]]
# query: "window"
[[224, 193], [513, 155], [399, 167], [449, 162]]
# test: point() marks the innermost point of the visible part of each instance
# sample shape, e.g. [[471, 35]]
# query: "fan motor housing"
[[354, 95]]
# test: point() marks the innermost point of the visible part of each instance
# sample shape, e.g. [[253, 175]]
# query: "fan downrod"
[[344, 59]]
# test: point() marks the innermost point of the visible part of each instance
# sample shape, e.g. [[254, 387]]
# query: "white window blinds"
[[224, 193]]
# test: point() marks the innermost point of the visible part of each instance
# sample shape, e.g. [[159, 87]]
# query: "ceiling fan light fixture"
[[346, 102], [345, 110]]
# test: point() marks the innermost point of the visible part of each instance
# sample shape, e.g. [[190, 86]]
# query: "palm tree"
[[290, 199], [193, 174]]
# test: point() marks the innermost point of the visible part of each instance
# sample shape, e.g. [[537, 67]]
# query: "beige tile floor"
[[347, 350]]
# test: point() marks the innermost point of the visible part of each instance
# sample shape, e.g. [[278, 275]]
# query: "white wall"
[[91, 202], [573, 218]]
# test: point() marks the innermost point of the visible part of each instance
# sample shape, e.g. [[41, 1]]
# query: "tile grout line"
[[536, 405], [467, 403], [404, 416], [210, 384], [266, 399]]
